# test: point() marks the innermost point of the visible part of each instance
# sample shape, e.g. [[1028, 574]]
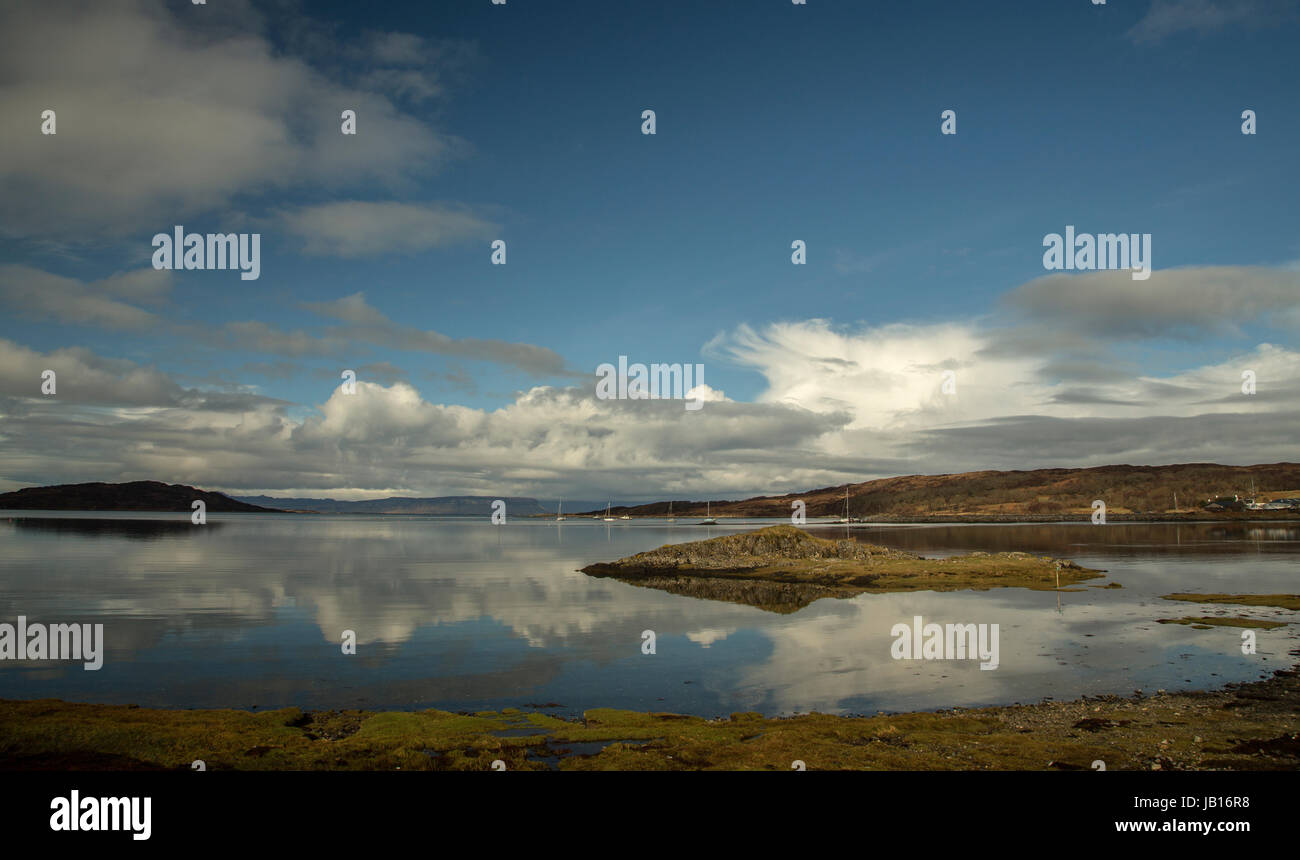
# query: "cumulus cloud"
[[163, 116], [891, 377], [1041, 384], [1018, 409], [885, 377], [122, 422]]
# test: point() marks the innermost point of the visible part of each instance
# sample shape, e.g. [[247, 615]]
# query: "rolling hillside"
[[1040, 492]]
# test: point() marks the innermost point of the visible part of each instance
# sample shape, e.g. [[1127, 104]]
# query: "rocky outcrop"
[[748, 551], [783, 568]]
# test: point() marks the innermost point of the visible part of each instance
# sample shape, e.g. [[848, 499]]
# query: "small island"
[[129, 496], [784, 568]]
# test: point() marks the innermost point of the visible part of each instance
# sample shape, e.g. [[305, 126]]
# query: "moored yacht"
[[708, 515]]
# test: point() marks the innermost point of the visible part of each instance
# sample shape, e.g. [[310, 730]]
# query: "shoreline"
[[963, 519], [1246, 726], [1261, 517], [1047, 519]]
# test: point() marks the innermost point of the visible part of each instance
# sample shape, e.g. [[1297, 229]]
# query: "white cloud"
[[840, 404], [1187, 302], [706, 637], [120, 421], [40, 295], [163, 117], [886, 378]]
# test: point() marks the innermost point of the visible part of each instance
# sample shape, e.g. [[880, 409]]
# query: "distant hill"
[[446, 506], [1126, 490], [131, 496], [1040, 492]]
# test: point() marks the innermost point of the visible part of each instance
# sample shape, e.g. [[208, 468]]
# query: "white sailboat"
[[608, 518], [559, 515], [708, 515], [671, 518], [845, 518]]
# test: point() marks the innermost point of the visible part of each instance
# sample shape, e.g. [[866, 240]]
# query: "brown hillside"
[[1124, 489]]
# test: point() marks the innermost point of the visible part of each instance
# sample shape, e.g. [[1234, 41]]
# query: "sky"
[[922, 333]]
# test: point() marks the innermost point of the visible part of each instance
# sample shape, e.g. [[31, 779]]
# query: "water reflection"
[[1128, 539], [139, 529], [460, 614]]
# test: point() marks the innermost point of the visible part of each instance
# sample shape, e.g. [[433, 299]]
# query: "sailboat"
[[845, 518], [608, 518], [708, 515], [559, 515], [671, 518]]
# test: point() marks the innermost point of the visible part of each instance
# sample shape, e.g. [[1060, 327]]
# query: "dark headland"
[[132, 496]]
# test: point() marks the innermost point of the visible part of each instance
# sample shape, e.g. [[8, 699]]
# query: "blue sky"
[[522, 122]]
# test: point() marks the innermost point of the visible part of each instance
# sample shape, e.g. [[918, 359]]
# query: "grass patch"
[[1235, 728], [1205, 622], [1281, 601]]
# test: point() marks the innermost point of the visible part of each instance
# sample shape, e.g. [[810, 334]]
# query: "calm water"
[[248, 611]]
